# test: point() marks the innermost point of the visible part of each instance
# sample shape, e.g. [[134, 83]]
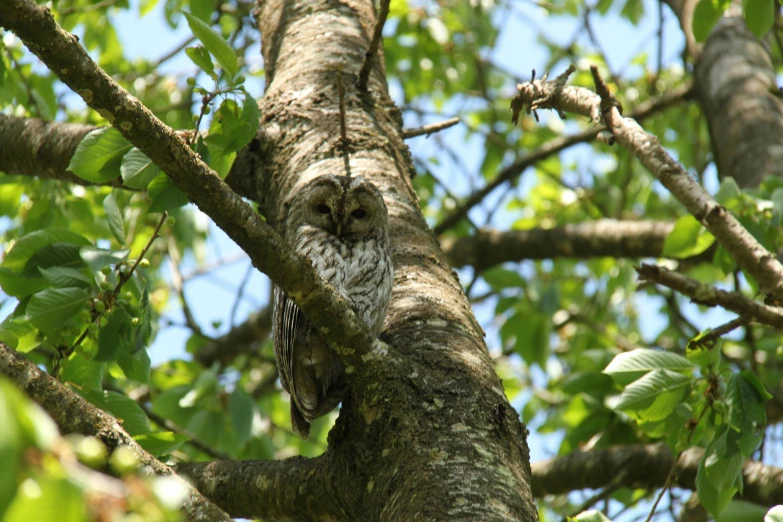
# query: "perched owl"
[[341, 225]]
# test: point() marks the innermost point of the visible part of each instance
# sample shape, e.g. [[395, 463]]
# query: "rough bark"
[[40, 148], [749, 254], [30, 146], [73, 414], [645, 467], [606, 237], [426, 432], [738, 92]]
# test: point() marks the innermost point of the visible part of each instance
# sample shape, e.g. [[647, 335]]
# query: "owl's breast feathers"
[[358, 269]]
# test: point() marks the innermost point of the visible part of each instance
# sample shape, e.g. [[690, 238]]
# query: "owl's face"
[[345, 207]]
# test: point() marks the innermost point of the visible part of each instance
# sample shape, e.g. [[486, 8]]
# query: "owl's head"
[[346, 207]]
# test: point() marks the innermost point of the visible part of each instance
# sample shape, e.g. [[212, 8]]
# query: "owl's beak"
[[339, 228]]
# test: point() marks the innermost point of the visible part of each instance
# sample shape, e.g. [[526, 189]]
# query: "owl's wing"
[[287, 317]]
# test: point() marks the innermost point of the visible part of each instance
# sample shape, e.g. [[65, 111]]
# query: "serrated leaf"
[[85, 373], [98, 155], [27, 245], [723, 460], [714, 500], [114, 218], [687, 238], [114, 336], [165, 195], [240, 406], [215, 44], [704, 356], [133, 418], [161, 443], [57, 254], [654, 396], [746, 404], [705, 16], [17, 285], [759, 16], [50, 309], [136, 365], [138, 170], [629, 366], [63, 277], [202, 59]]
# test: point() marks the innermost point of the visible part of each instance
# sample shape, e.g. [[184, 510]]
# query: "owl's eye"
[[324, 209], [359, 213]]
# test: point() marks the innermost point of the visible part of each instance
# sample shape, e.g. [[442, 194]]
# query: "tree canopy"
[[596, 252]]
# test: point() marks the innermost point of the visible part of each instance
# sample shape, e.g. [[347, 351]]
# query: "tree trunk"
[[426, 432]]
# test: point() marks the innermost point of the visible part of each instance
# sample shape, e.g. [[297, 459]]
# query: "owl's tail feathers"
[[298, 423]]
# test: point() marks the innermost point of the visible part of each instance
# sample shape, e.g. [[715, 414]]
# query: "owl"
[[341, 225]]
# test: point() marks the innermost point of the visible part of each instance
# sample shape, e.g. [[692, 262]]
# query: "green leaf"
[[99, 154], [97, 258], [62, 277], [201, 58], [161, 443], [114, 217], [746, 404], [133, 418], [629, 366], [500, 278], [138, 170], [704, 356], [50, 309], [136, 365], [54, 499], [654, 396], [711, 498], [723, 460], [705, 16], [85, 373], [232, 128], [215, 44], [774, 515], [741, 511], [759, 16], [114, 336], [27, 245], [20, 286], [688, 238], [240, 406], [165, 195]]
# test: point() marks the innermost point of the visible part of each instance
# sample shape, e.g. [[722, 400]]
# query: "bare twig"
[[429, 129], [554, 147], [372, 51], [177, 282], [708, 339], [343, 127], [710, 296]]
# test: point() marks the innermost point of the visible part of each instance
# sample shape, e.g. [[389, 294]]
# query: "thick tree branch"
[[555, 146], [39, 148], [645, 466], [33, 147], [601, 238], [738, 90], [61, 52], [73, 414], [291, 489], [711, 296], [743, 247]]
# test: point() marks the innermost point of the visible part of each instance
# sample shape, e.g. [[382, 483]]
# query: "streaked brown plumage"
[[342, 226]]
